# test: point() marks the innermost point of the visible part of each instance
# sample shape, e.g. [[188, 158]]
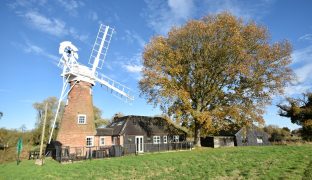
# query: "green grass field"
[[270, 162]]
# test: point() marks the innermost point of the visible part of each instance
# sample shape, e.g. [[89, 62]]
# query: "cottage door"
[[139, 144]]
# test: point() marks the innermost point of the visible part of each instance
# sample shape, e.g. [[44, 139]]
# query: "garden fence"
[[66, 153]]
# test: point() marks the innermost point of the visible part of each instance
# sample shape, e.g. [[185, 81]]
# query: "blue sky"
[[31, 31]]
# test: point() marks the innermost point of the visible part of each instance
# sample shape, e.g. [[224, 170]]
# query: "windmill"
[[77, 124]]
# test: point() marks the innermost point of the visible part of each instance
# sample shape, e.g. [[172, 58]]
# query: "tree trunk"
[[197, 134]]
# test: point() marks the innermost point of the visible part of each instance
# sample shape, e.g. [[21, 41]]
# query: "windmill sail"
[[116, 88], [97, 58], [100, 47]]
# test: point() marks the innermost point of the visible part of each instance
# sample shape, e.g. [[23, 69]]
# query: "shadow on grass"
[[308, 172]]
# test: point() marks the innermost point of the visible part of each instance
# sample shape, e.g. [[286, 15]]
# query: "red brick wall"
[[108, 140], [79, 102]]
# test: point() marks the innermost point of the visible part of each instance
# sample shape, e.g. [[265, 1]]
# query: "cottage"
[[125, 135], [138, 134]]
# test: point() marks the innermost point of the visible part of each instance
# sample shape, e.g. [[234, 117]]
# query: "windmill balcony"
[[79, 73]]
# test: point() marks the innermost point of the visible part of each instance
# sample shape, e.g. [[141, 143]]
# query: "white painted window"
[[102, 141], [114, 140], [176, 138], [82, 119], [165, 139], [156, 139], [89, 141]]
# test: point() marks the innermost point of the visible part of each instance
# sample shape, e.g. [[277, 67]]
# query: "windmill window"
[[89, 141], [82, 119], [156, 139]]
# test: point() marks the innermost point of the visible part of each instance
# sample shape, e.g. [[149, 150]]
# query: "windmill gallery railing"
[[70, 154]]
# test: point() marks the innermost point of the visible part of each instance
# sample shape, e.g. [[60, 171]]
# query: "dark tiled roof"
[[236, 130], [104, 132], [252, 129], [118, 125], [135, 124]]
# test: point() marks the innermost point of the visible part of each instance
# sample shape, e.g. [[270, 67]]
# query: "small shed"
[[251, 136], [218, 141], [246, 136]]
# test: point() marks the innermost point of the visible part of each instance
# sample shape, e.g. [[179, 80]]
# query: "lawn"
[[267, 162]]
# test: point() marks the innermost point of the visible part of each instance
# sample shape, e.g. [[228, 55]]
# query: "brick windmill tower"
[[77, 128]]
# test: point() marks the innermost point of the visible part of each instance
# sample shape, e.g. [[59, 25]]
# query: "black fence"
[[70, 154], [150, 147], [66, 153], [33, 155]]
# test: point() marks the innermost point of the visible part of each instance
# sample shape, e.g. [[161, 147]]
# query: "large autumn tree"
[[213, 72], [299, 110]]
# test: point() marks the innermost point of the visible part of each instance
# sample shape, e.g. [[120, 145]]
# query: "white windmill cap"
[[68, 44], [65, 44]]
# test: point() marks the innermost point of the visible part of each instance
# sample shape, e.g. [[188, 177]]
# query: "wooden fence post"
[[40, 161]]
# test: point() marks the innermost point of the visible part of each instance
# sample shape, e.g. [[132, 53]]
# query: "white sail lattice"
[[101, 45]]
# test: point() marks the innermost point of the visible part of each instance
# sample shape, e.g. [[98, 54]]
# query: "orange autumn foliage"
[[214, 72]]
